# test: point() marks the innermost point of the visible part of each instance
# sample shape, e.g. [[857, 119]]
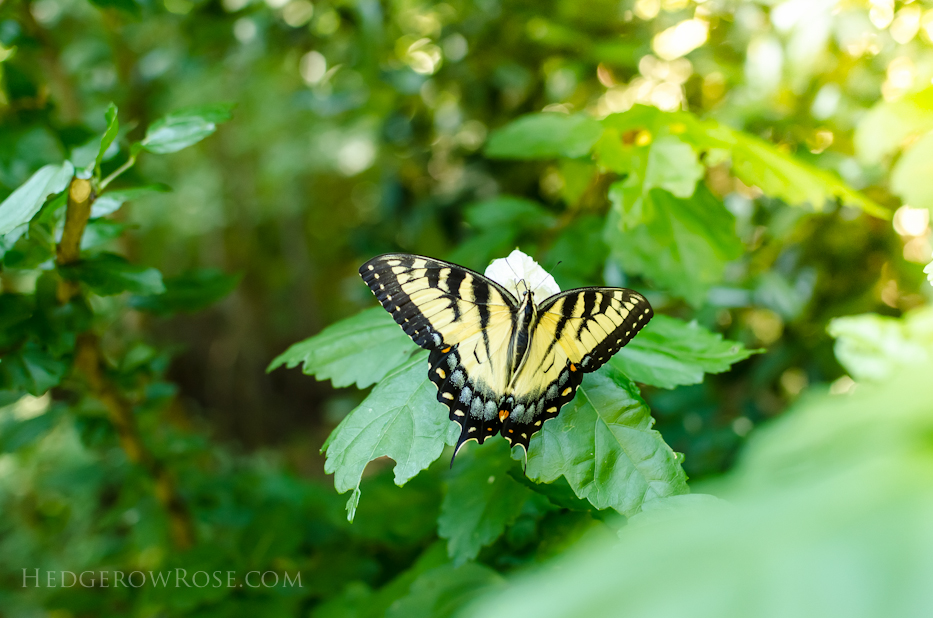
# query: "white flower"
[[928, 270], [518, 273]]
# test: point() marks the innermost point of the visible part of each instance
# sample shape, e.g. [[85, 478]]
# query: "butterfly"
[[502, 364]]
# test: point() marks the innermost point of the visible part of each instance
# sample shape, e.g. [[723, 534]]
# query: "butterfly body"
[[502, 365]]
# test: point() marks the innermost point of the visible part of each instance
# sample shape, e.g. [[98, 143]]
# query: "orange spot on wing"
[[445, 350], [573, 367], [503, 414]]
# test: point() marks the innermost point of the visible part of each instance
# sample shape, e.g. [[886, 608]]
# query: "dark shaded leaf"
[[107, 274]]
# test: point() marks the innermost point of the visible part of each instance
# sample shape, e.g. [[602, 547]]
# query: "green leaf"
[[840, 480], [758, 163], [360, 350], [21, 205], [15, 433], [189, 292], [401, 418], [111, 201], [603, 444], [876, 347], [910, 178], [185, 127], [544, 136], [669, 352], [480, 501], [558, 492], [754, 161], [107, 274], [665, 162], [507, 210], [890, 124], [113, 126], [685, 245], [32, 370], [443, 591]]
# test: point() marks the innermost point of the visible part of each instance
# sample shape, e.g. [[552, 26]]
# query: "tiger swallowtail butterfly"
[[500, 364]]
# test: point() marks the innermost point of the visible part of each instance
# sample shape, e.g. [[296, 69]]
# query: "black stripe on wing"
[[471, 408], [624, 311], [380, 275]]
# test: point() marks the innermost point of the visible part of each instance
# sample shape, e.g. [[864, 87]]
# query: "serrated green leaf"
[[508, 210], [443, 591], [910, 178], [191, 291], [758, 163], [603, 444], [359, 350], [685, 245], [890, 124], [21, 205], [107, 274], [481, 500], [544, 136], [184, 128], [111, 201], [669, 352], [401, 419], [876, 347]]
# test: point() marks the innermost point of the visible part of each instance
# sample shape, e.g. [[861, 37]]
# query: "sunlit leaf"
[[360, 350], [21, 205], [603, 444], [400, 419], [669, 352], [544, 136], [910, 178], [481, 500], [889, 125], [184, 128], [113, 125], [876, 347]]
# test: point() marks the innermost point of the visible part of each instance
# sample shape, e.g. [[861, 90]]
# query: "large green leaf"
[[107, 274], [754, 161], [360, 350], [443, 591], [184, 128], [21, 205], [482, 499], [827, 514], [910, 178], [876, 347], [603, 444], [401, 419], [544, 136], [890, 124], [683, 247], [669, 352]]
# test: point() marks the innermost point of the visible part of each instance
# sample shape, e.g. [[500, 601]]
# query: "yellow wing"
[[464, 319], [576, 332]]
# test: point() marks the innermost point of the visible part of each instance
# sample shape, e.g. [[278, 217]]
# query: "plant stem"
[[115, 173], [89, 361]]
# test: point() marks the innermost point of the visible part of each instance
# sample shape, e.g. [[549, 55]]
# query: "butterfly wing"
[[464, 319], [576, 332]]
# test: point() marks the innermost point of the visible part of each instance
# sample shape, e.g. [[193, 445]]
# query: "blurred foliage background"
[[361, 127]]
